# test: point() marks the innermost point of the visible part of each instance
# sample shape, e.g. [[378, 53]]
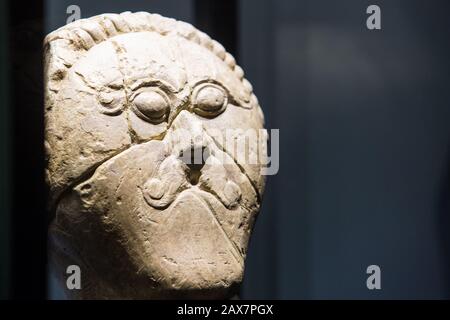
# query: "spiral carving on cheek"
[[154, 188], [111, 103], [160, 191], [232, 194]]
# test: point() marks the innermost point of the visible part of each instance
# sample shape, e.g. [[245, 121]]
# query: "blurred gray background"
[[364, 123]]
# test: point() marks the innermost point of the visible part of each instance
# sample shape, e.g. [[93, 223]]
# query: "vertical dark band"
[[219, 19], [28, 218]]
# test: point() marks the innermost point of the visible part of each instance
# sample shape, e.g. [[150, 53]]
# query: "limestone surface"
[[152, 186]]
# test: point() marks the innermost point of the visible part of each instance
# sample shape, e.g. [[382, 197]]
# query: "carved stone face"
[[149, 199]]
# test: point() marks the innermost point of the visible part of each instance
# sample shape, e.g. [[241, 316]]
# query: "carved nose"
[[194, 158], [186, 132]]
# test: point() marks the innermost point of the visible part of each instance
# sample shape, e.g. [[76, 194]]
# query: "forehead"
[[149, 56]]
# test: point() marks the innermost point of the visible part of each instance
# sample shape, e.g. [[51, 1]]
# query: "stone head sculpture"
[[152, 192]]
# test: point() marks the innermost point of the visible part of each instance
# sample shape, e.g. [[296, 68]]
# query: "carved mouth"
[[186, 260], [203, 203]]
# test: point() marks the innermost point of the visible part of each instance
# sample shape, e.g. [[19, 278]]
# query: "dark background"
[[364, 121]]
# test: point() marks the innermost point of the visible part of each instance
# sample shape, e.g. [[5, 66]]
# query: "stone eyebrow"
[[83, 34], [153, 82]]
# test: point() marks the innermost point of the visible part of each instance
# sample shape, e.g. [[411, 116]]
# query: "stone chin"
[[189, 256], [130, 99]]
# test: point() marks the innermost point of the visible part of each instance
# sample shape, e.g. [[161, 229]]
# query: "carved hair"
[[83, 34]]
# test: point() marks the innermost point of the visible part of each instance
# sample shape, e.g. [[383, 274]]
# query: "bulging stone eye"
[[209, 100], [152, 106]]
